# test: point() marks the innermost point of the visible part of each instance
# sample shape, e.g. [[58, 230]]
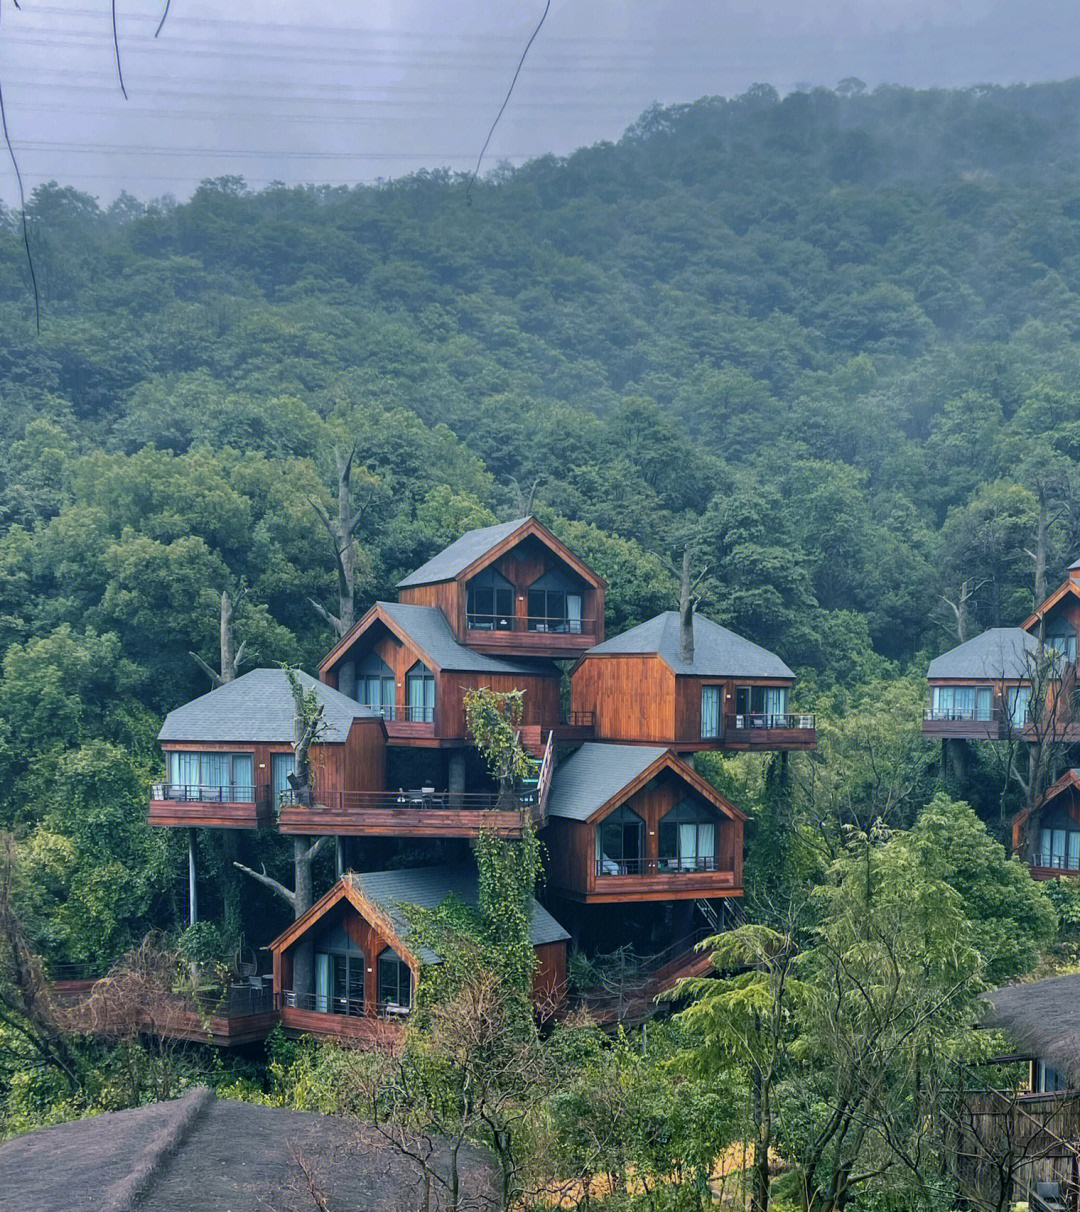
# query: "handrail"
[[424, 800], [345, 1007], [579, 719], [406, 713], [664, 866], [1057, 862], [749, 721], [543, 781], [542, 623], [205, 793], [969, 714]]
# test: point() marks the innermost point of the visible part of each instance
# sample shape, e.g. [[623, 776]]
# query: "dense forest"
[[828, 340]]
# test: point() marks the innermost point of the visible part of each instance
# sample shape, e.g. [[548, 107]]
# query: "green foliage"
[[202, 943], [493, 720]]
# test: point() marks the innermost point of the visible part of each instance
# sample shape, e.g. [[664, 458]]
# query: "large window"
[[1019, 700], [1062, 638], [1049, 1080], [688, 839], [375, 685], [281, 766], [420, 694], [962, 703], [620, 843], [339, 975], [1059, 842], [710, 711], [760, 706], [555, 604], [395, 982], [214, 777], [489, 602]]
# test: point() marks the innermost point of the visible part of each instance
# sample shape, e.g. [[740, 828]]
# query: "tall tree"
[[342, 532], [231, 655]]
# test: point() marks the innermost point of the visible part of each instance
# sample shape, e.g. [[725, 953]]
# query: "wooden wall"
[[447, 596], [632, 697], [365, 756], [541, 702], [549, 976]]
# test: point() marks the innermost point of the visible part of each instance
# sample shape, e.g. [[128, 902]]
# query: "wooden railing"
[[345, 1007], [664, 866], [202, 793], [404, 714], [426, 799], [543, 624], [971, 715], [752, 721], [579, 719]]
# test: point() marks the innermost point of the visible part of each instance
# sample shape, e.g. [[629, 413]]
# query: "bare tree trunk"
[[686, 612], [303, 953], [231, 656], [342, 530]]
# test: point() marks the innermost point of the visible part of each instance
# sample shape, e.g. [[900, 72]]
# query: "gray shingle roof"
[[594, 774], [718, 652], [1043, 1017], [258, 706], [461, 553], [999, 652], [428, 887], [428, 628]]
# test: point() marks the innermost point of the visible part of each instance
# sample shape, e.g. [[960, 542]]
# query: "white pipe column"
[[193, 894], [339, 856]]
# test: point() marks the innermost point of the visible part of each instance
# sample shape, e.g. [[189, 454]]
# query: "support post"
[[193, 892], [339, 856]]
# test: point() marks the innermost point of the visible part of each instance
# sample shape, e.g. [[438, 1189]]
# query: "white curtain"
[[214, 776], [322, 982], [710, 711], [707, 841], [243, 777], [1045, 847], [281, 766], [688, 839], [184, 771], [775, 700], [1058, 855], [1074, 851], [573, 612]]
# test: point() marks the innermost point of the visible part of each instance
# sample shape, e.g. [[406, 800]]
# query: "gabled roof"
[[718, 652], [1071, 778], [601, 775], [1043, 609], [426, 629], [384, 894], [476, 548], [999, 652], [472, 546], [1043, 1017], [258, 707]]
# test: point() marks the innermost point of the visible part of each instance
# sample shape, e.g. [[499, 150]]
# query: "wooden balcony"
[[964, 725], [1051, 866], [575, 727], [769, 730], [406, 723], [526, 635], [188, 806], [651, 879], [422, 813], [357, 1022]]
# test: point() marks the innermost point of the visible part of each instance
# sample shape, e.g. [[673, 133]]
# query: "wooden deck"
[[368, 1030], [400, 822], [183, 814]]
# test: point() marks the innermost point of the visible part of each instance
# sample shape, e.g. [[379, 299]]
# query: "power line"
[[22, 199]]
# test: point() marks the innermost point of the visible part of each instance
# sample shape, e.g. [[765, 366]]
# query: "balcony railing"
[[406, 714], [793, 721], [346, 1007], [971, 715], [1057, 862], [426, 798], [664, 866], [201, 793], [538, 623]]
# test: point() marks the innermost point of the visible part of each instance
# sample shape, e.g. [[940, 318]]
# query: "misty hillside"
[[832, 338]]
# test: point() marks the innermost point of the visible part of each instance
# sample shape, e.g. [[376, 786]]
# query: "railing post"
[[193, 894]]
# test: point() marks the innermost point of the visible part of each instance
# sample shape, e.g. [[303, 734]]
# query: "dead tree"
[[342, 531], [231, 656], [688, 600], [308, 726], [961, 607]]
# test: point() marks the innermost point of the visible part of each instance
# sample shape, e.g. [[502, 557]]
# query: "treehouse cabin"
[[1048, 838], [1059, 617], [366, 968], [403, 662], [981, 689], [637, 823], [512, 589], [730, 694], [229, 753]]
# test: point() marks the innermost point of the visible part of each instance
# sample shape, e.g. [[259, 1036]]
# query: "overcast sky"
[[342, 91]]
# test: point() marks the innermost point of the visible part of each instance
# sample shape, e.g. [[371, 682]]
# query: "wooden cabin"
[[1048, 838], [731, 694], [512, 589], [404, 663], [981, 689], [229, 754], [365, 967], [637, 823]]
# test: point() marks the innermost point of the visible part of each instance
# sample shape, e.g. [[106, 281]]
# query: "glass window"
[[620, 843], [1063, 640], [489, 602], [688, 839], [1049, 1080], [1019, 699], [710, 711], [984, 703], [420, 694], [281, 766], [760, 706], [395, 981], [212, 777]]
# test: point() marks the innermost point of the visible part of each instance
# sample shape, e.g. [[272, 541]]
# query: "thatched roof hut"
[[1043, 1017]]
